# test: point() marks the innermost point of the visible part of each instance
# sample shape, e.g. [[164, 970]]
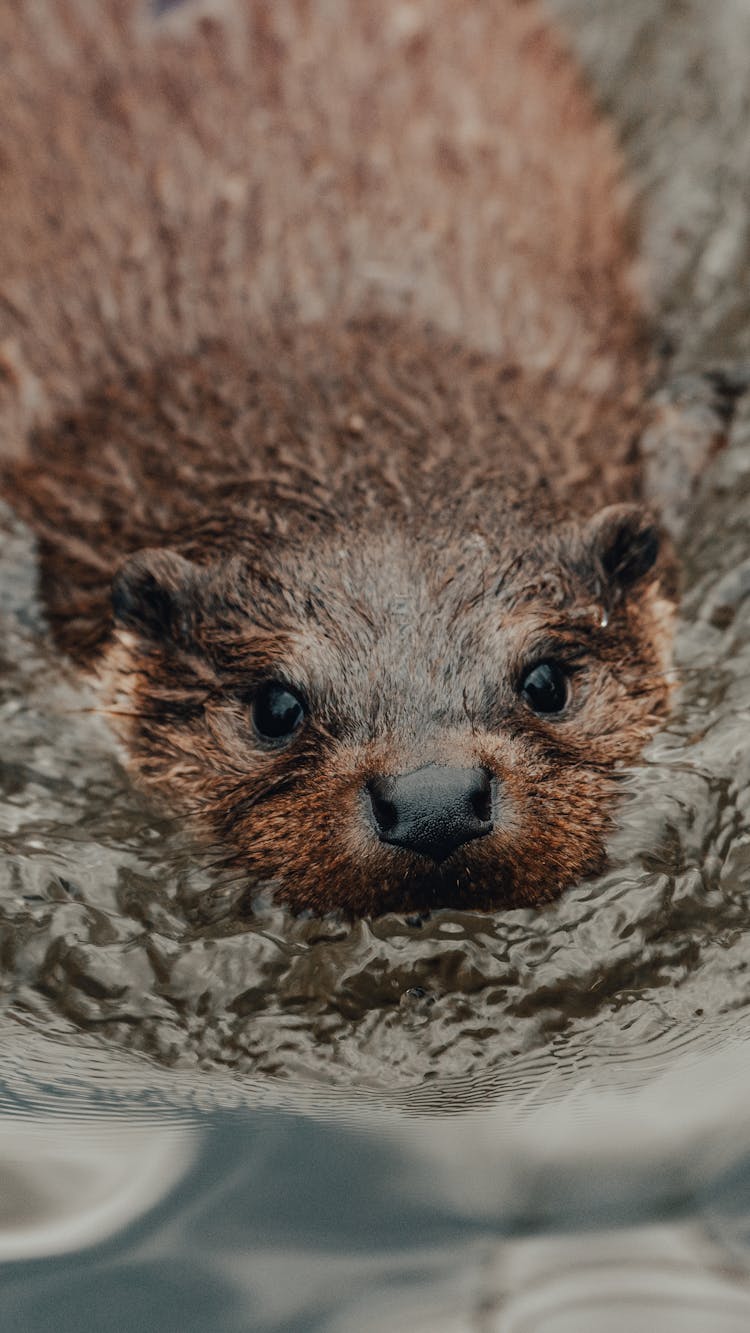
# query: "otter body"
[[324, 374]]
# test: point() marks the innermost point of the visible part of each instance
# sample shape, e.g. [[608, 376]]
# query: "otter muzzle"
[[433, 810]]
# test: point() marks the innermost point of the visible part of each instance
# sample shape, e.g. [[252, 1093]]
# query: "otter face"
[[398, 724]]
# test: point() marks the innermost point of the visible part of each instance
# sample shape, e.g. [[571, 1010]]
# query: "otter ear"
[[151, 594], [625, 541]]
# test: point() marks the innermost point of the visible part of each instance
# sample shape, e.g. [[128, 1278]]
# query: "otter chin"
[[325, 381]]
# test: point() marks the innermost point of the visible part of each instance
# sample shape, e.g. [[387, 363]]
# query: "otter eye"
[[277, 711], [545, 688]]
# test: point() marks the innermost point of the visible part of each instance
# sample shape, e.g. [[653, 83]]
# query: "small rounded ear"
[[625, 540], [150, 594]]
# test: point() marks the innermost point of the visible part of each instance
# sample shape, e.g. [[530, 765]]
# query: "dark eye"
[[277, 711], [545, 688]]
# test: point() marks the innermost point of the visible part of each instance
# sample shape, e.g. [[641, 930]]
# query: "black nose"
[[433, 810]]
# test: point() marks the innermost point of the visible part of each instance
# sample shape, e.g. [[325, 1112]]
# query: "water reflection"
[[669, 1280], [334, 1216], [66, 1184]]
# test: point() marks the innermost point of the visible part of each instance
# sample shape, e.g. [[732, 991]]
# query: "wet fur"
[[334, 316]]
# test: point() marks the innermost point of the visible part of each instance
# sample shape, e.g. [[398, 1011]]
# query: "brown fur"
[[330, 310]]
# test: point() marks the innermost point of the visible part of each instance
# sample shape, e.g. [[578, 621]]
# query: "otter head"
[[405, 719]]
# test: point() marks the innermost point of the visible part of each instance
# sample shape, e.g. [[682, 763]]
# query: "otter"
[[324, 373]]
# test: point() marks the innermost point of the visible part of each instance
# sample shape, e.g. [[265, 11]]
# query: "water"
[[527, 1122]]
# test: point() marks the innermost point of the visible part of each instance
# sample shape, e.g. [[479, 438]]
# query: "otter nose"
[[433, 810]]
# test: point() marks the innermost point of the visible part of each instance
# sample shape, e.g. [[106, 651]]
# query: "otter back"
[[163, 182]]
